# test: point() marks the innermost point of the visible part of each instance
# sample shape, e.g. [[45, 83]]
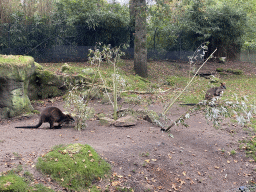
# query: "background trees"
[[171, 25], [221, 25]]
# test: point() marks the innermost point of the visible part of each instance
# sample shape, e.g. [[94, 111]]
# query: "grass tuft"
[[74, 166], [251, 148], [11, 181]]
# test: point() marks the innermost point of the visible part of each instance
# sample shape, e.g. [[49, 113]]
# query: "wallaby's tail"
[[189, 104], [33, 126]]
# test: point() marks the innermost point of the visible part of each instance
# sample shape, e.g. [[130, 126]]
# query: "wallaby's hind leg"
[[51, 121]]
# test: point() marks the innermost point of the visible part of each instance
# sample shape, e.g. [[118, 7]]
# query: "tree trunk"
[[140, 43], [132, 22]]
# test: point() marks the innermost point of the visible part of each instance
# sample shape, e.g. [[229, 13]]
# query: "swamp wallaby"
[[51, 115], [215, 91]]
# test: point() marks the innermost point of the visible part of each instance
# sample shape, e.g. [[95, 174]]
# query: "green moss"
[[38, 66], [235, 71], [219, 69], [12, 182], [16, 67], [45, 76], [65, 67], [16, 59], [20, 104], [73, 166]]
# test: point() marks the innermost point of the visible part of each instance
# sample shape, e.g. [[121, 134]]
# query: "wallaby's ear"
[[223, 85]]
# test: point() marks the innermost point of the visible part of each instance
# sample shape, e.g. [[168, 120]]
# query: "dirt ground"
[[197, 158]]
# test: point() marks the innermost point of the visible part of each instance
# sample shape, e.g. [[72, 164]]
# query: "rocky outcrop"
[[15, 72], [45, 84]]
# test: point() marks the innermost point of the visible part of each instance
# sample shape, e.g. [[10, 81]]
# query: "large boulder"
[[15, 72], [46, 84]]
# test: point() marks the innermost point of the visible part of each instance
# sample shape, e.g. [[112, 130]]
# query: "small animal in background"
[[215, 91], [52, 115]]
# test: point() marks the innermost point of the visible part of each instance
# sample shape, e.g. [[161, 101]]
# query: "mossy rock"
[[16, 67], [65, 67], [219, 69], [235, 71], [214, 79], [15, 72], [45, 84], [38, 66]]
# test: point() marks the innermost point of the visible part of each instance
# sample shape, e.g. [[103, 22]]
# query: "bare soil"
[[197, 158]]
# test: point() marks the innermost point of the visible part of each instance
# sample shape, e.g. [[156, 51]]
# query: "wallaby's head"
[[223, 85], [70, 118]]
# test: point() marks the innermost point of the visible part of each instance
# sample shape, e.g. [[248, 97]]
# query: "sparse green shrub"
[[112, 56], [146, 154], [78, 101], [232, 152], [238, 109]]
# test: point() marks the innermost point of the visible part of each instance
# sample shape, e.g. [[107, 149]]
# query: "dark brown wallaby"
[[215, 91], [51, 115]]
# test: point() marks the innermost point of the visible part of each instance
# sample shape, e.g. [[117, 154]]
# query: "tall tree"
[[140, 42]]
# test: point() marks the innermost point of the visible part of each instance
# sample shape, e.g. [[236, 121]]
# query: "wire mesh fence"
[[57, 43], [248, 56]]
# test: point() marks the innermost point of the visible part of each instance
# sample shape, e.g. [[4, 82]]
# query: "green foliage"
[[73, 166], [12, 182], [185, 25], [162, 31], [112, 56], [222, 25], [89, 21], [26, 37], [97, 21], [240, 109]]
